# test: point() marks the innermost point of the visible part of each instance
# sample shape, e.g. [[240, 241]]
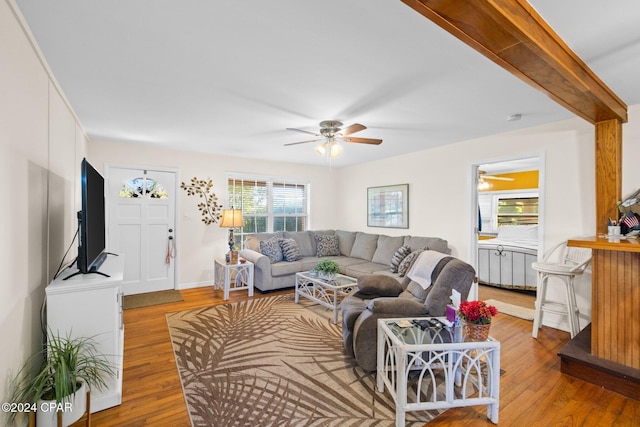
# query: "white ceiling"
[[229, 76]]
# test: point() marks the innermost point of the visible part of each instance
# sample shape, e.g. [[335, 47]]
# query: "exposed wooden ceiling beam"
[[513, 35]]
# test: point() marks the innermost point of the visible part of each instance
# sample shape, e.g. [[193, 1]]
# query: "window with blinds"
[[507, 208], [518, 211], [268, 204]]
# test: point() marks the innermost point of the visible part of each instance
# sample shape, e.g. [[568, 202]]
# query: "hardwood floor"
[[533, 391], [521, 298]]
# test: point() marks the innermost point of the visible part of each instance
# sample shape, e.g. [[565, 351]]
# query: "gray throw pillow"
[[271, 248], [407, 262], [378, 285], [326, 245], [290, 250], [400, 254]]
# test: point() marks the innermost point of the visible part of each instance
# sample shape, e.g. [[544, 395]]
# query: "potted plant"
[[476, 319], [66, 367], [327, 269]]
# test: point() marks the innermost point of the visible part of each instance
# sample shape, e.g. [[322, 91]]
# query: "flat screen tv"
[[91, 220]]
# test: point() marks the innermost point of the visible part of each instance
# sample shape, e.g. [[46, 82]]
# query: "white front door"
[[141, 226]]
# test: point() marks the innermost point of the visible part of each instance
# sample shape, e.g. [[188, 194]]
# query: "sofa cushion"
[[378, 285], [253, 240], [285, 268], [290, 250], [416, 291], [363, 268], [326, 246], [303, 239], [407, 262], [345, 241], [433, 243], [397, 258], [387, 247], [271, 248], [364, 246]]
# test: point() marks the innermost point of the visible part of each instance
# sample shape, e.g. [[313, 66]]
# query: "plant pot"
[[475, 332], [326, 276], [72, 407]]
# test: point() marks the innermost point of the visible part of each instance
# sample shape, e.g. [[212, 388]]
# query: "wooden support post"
[[608, 172]]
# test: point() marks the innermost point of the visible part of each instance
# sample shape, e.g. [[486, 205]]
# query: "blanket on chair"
[[422, 268]]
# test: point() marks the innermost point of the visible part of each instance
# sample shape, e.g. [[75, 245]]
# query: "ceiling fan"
[[331, 132]]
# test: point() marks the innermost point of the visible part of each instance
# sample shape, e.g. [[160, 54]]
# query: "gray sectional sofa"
[[360, 254]]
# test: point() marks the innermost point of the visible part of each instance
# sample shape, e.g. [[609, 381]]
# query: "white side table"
[[409, 351], [233, 277]]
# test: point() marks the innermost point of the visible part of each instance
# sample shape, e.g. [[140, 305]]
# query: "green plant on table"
[[328, 266]]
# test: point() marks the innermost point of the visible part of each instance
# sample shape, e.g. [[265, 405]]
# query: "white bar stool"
[[573, 262]]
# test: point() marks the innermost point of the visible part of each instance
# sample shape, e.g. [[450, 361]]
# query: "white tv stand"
[[90, 305]]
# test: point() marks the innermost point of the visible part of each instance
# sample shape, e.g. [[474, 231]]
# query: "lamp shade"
[[231, 218]]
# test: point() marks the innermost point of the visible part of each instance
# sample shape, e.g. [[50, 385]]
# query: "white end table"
[[406, 350], [233, 277]]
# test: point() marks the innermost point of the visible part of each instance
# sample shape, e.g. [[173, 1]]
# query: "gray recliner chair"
[[380, 296]]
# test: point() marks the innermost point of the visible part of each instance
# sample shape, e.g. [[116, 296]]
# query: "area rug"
[[151, 298], [271, 362], [512, 310]]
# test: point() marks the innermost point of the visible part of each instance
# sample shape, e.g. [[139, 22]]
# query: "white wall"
[[41, 144], [198, 244]]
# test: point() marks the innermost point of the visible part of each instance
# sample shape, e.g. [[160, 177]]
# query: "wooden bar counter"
[[615, 318]]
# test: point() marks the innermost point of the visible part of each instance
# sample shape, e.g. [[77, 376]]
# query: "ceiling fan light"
[[335, 150], [483, 185], [321, 149]]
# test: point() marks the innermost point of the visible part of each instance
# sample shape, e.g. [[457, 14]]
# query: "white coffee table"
[[327, 293], [406, 352]]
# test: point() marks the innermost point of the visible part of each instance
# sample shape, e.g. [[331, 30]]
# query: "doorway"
[[508, 222], [141, 207]]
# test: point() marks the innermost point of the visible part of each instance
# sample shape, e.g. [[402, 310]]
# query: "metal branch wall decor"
[[210, 209]]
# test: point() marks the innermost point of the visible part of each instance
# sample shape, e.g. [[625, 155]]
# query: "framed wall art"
[[388, 206]]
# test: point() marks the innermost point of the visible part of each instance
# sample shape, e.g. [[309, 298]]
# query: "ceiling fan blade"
[[303, 142], [356, 127], [364, 140], [498, 178], [304, 131]]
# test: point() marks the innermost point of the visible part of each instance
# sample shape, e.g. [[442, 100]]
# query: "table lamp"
[[231, 218]]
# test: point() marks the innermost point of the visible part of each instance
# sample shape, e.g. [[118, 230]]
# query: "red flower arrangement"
[[477, 312]]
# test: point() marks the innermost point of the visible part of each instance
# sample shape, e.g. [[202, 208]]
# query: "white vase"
[[72, 409]]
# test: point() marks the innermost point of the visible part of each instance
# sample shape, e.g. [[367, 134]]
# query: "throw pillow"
[[378, 285], [407, 262], [327, 245], [400, 254], [290, 250], [271, 248]]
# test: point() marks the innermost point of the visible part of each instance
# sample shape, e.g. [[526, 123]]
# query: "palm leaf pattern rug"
[[271, 362]]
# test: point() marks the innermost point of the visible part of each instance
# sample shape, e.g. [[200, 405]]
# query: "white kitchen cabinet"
[[90, 305]]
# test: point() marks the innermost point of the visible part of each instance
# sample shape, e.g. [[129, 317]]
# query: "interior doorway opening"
[[507, 230]]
